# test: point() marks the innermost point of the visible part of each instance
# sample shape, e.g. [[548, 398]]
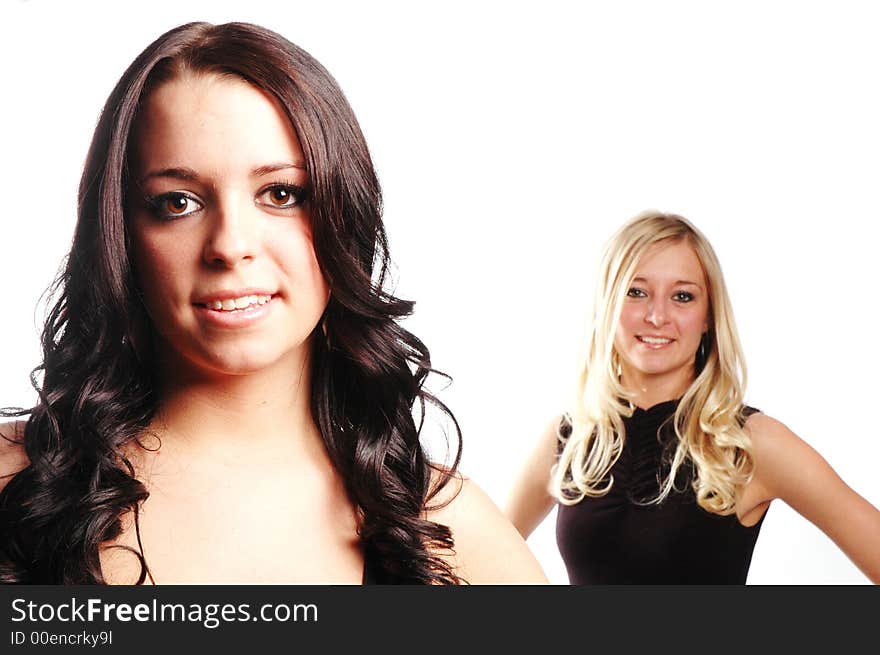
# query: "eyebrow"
[[188, 174], [179, 173], [677, 282], [259, 171]]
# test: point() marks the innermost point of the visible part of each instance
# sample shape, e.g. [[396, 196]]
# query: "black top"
[[619, 539]]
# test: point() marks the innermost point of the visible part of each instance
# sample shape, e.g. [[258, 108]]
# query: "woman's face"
[[664, 315], [220, 228]]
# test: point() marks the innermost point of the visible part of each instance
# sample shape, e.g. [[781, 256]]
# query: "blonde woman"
[[661, 473]]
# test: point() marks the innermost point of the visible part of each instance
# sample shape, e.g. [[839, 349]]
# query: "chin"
[[239, 367], [653, 366], [247, 361]]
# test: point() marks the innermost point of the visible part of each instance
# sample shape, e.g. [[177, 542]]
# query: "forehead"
[[213, 124], [671, 261]]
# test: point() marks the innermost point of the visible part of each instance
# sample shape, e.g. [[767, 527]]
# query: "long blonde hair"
[[709, 419]]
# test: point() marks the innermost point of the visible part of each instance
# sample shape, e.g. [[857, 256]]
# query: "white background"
[[511, 141]]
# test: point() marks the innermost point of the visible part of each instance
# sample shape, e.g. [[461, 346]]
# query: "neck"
[[648, 389], [211, 413]]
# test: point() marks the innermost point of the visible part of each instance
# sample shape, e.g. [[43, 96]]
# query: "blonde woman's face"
[[664, 315]]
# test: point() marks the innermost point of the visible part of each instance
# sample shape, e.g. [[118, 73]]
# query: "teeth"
[[655, 340], [232, 304]]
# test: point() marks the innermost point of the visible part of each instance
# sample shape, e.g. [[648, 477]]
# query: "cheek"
[[297, 252], [694, 323], [630, 318], [158, 268], [626, 329]]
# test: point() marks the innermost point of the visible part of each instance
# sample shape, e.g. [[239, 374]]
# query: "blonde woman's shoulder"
[[12, 455], [767, 432], [785, 465], [788, 468], [488, 549]]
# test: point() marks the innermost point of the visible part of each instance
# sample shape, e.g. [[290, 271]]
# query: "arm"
[[789, 469], [530, 500], [488, 549]]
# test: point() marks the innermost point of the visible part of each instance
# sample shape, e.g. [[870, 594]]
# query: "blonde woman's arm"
[[530, 500], [488, 549], [787, 468]]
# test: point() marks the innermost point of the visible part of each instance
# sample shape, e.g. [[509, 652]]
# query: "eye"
[[282, 196], [175, 204], [683, 296], [635, 292]]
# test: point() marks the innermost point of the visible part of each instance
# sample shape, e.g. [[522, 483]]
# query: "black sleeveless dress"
[[620, 539]]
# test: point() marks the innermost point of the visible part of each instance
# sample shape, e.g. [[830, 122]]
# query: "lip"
[[654, 346], [240, 318]]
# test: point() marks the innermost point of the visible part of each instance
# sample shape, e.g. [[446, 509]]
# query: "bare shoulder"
[[788, 468], [782, 459], [458, 500], [12, 455], [771, 438], [761, 426], [488, 549]]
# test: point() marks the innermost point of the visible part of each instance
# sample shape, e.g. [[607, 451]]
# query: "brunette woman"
[[226, 394]]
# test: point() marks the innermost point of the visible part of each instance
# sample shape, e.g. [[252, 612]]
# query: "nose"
[[656, 313], [232, 237]]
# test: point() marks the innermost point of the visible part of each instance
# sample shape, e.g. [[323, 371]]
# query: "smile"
[[235, 309], [654, 342], [236, 304]]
